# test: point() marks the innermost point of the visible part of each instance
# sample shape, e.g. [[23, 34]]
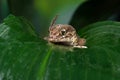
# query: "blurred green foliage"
[[41, 12], [4, 9], [51, 7], [78, 13], [48, 9], [93, 11]]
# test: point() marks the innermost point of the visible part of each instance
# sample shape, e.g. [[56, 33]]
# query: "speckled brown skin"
[[65, 34]]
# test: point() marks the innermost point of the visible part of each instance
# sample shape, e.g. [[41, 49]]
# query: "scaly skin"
[[64, 34]]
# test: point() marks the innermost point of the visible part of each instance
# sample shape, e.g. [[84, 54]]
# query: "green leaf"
[[16, 29], [24, 56]]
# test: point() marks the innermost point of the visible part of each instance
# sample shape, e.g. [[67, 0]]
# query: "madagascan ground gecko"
[[65, 35]]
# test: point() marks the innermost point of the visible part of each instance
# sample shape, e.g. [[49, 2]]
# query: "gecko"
[[64, 34]]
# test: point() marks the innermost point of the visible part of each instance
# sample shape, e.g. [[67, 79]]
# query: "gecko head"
[[62, 33]]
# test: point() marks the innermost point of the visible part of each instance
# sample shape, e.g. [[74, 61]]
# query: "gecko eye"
[[63, 32]]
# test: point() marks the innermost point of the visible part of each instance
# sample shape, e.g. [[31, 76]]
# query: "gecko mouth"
[[65, 41], [62, 43]]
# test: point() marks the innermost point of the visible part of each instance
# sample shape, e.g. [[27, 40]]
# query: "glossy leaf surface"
[[24, 56]]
